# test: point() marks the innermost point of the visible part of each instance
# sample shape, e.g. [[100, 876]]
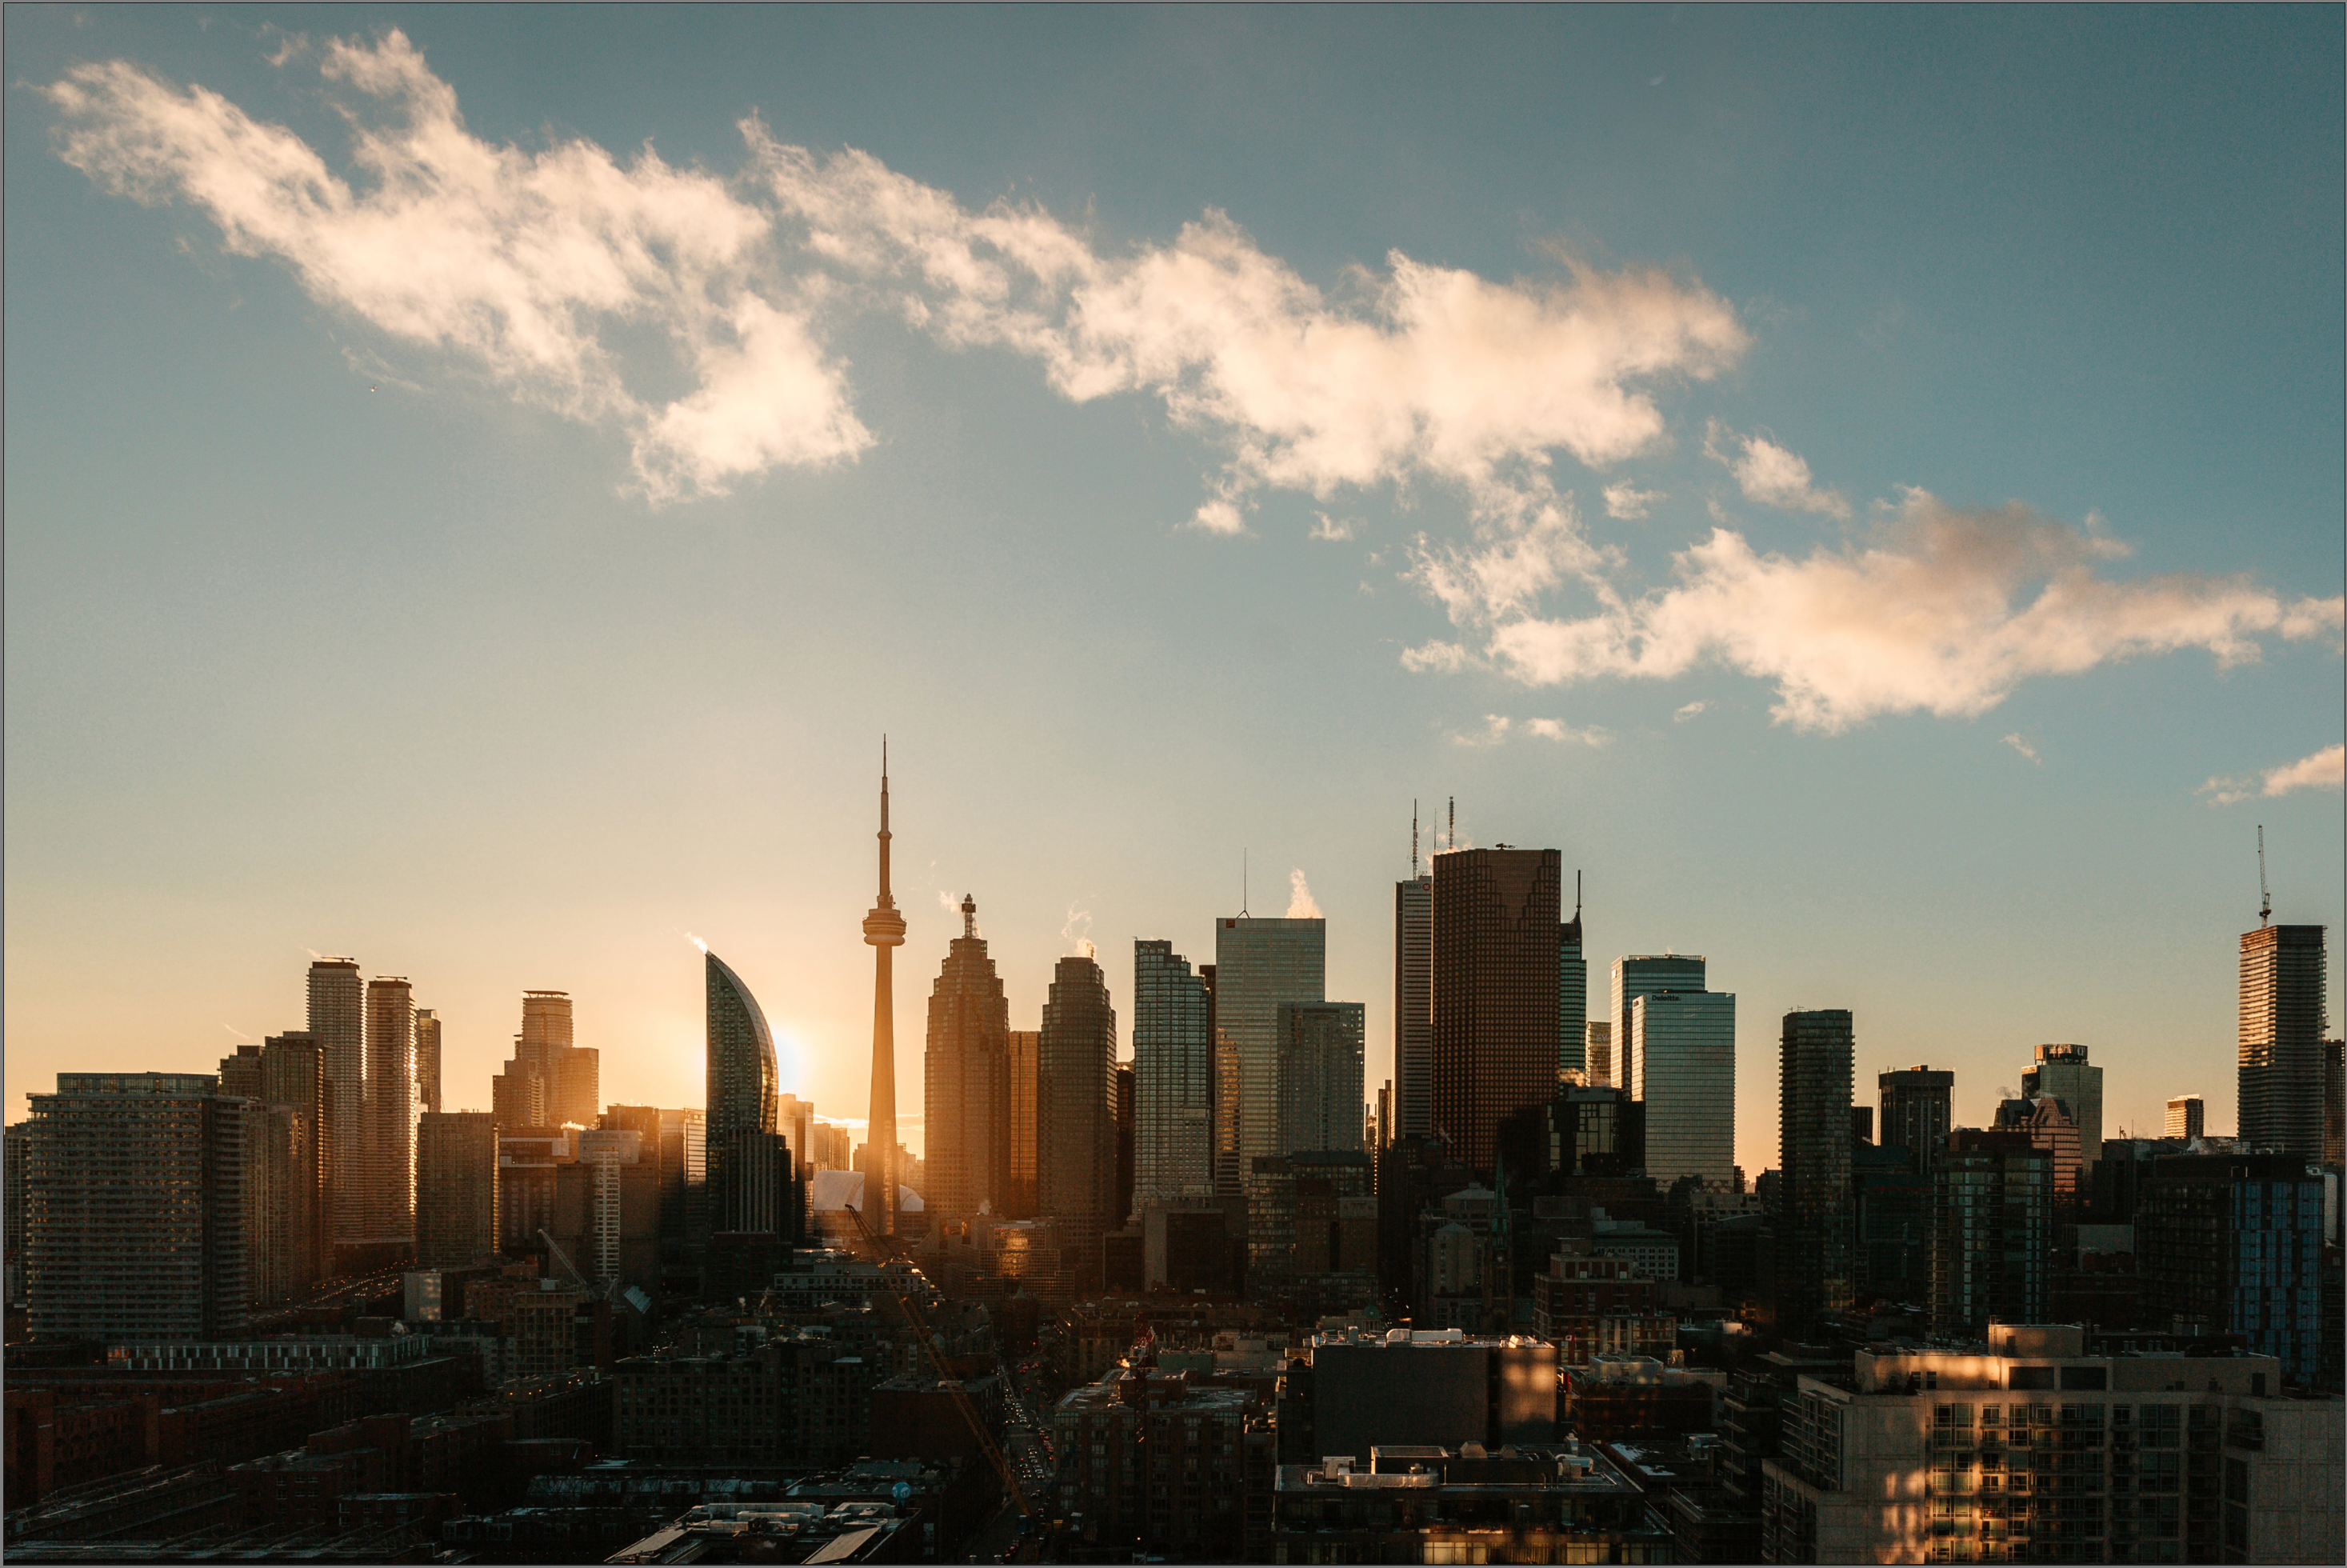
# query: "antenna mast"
[[2265, 899], [1454, 824], [1413, 838], [1243, 883]]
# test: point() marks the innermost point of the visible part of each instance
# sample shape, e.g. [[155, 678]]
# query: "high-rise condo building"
[[138, 1197], [1075, 1126], [391, 1110], [2047, 1123], [1172, 1075], [884, 933], [743, 1076], [550, 1081], [2064, 1072], [289, 1250], [1638, 976], [13, 1149], [1993, 1226], [1815, 1055], [1682, 1068], [1320, 1076], [965, 1082], [456, 1188], [1124, 1099], [1259, 963], [1025, 1045], [2282, 1030], [1226, 1157], [794, 1120], [1413, 1005], [2186, 1117], [1918, 1107], [2334, 1103], [1597, 1054], [427, 1058], [338, 1023], [1497, 919], [1572, 997], [2233, 1243]]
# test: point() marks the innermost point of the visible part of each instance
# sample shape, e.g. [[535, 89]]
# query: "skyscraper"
[[456, 1188], [965, 1082], [1259, 963], [1917, 1112], [2046, 1124], [1815, 1054], [338, 1023], [1639, 976], [550, 1081], [1413, 1005], [2186, 1117], [138, 1195], [2064, 1072], [1025, 1045], [741, 1079], [1993, 1224], [1173, 1073], [1320, 1076], [391, 1108], [427, 1058], [1496, 925], [883, 932], [2282, 1030], [1682, 1068], [1571, 994], [1598, 1068], [289, 1249], [1075, 1127]]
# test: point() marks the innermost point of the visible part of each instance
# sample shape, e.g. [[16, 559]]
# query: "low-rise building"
[[1165, 1464], [2029, 1449], [1428, 1503]]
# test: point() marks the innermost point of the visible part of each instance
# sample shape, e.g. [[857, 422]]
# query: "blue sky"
[[1865, 484]]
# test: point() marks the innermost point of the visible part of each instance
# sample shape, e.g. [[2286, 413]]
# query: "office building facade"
[[965, 1082], [1993, 1227], [1172, 1075], [456, 1188], [1918, 1110], [2064, 1072], [427, 1058], [140, 1191], [1683, 1067], [1320, 1076], [1572, 1000], [2187, 1117], [1413, 1005], [1815, 1052], [1637, 976], [1075, 1127], [2232, 1244], [1259, 963], [2282, 1028], [1496, 923]]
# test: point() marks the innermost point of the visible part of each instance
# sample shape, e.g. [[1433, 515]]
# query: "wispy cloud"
[[1770, 474], [1688, 710], [525, 265], [1943, 611], [1336, 530], [2325, 769], [1300, 902], [2019, 744], [1498, 727], [1626, 503]]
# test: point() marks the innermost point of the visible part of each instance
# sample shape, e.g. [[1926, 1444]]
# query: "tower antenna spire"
[[1454, 824], [1576, 893], [2265, 899], [1413, 838], [1243, 883]]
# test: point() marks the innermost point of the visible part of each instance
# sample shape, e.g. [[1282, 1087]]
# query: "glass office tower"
[[1172, 1075], [1260, 963]]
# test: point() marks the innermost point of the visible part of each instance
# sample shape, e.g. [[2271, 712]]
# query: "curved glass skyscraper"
[[742, 1077]]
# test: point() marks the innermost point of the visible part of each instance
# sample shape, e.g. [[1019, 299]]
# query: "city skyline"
[[384, 646]]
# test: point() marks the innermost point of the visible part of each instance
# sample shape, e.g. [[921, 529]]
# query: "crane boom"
[[2265, 898], [950, 1384]]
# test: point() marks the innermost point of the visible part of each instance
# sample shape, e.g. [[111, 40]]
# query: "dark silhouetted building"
[[1917, 1112], [1993, 1230], [1815, 1054], [967, 1083], [1494, 991], [456, 1188], [2233, 1244], [1075, 1127]]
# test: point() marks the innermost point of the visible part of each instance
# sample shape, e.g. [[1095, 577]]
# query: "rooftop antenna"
[[1243, 883], [1576, 894], [1413, 838], [2265, 899], [1454, 824]]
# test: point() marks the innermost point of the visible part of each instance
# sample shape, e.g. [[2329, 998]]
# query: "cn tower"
[[883, 929]]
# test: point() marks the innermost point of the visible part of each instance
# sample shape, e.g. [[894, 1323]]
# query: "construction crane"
[[2265, 899], [946, 1381]]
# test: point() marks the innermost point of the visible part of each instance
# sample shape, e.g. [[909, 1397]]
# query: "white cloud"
[[1687, 711], [1336, 530], [1770, 474], [1558, 730], [2325, 769], [1626, 503], [1944, 612], [522, 264], [2020, 744], [1218, 516], [1300, 905]]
